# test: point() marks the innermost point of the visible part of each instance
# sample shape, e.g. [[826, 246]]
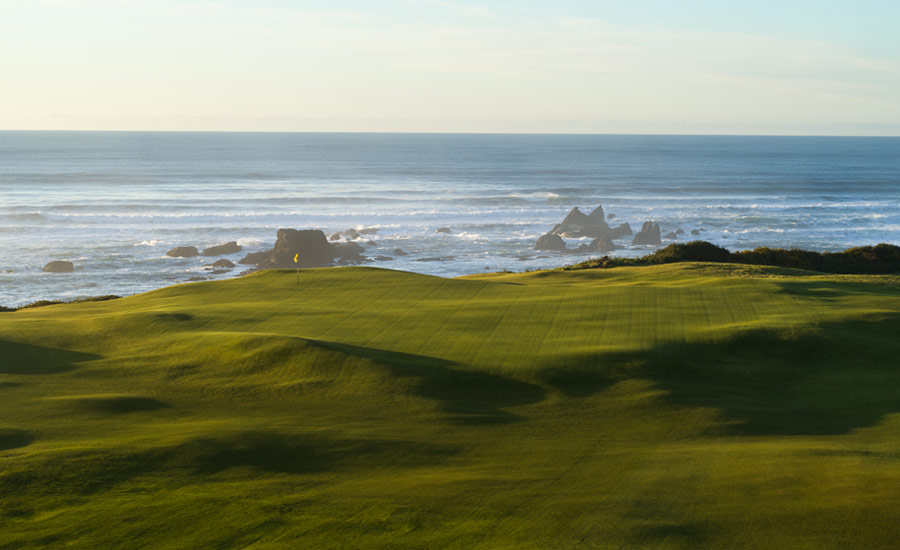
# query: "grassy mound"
[[682, 405]]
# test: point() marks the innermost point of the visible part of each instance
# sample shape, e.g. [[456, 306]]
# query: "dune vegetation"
[[683, 406]]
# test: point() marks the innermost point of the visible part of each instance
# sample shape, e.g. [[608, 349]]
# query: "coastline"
[[880, 259]]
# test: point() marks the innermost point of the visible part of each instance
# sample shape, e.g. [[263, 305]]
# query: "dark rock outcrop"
[[695, 232], [347, 252], [351, 234], [623, 230], [311, 244], [183, 252], [671, 235], [649, 234], [550, 241], [383, 258], [400, 252], [222, 263], [603, 244], [59, 266], [578, 224], [679, 231], [443, 230], [253, 258], [222, 249], [610, 216], [368, 231], [335, 236]]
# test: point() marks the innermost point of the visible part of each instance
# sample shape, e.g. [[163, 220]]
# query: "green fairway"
[[677, 406]]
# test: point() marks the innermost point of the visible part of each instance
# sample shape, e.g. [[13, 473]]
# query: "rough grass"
[[673, 406]]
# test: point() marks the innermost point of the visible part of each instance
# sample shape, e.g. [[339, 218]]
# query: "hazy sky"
[[625, 66]]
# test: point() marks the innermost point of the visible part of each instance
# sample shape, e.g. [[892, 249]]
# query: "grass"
[[673, 406]]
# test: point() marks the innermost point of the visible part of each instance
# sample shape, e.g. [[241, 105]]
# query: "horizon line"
[[390, 132]]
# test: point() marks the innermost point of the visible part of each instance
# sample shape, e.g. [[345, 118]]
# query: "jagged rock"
[[603, 244], [695, 232], [610, 216], [623, 230], [351, 234], [183, 252], [311, 244], [58, 266], [383, 258], [671, 236], [443, 230], [253, 258], [227, 248], [222, 263], [583, 247], [399, 252], [649, 234], [348, 252], [335, 236], [550, 241], [371, 243], [679, 231], [578, 224], [368, 231]]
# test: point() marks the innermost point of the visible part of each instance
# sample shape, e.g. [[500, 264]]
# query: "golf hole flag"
[[297, 258]]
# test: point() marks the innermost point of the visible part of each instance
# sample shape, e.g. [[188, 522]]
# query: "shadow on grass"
[[471, 397], [18, 358], [113, 404], [86, 472], [832, 380], [305, 453], [13, 439]]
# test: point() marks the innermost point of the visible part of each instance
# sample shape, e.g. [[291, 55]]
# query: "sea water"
[[114, 202]]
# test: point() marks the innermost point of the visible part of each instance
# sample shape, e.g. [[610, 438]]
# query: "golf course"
[[677, 406]]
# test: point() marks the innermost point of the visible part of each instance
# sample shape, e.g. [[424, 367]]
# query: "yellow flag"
[[297, 258]]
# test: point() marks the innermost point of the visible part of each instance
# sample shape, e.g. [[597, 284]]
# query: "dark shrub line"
[[42, 303], [865, 260]]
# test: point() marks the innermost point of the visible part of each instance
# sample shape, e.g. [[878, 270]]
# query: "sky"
[[563, 66]]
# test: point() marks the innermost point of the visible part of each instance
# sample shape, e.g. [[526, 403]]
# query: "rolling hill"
[[687, 405]]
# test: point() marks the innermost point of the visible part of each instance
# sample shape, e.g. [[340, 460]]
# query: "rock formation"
[[578, 224], [222, 263], [253, 258], [400, 252], [222, 249], [695, 232], [550, 241], [443, 230], [58, 266], [671, 236], [311, 244], [649, 234], [183, 252], [623, 230], [603, 244], [347, 252]]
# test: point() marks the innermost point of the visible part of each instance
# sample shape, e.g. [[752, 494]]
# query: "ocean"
[[114, 202]]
